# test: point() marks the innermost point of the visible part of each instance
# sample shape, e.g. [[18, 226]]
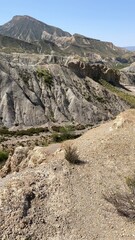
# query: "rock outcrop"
[[24, 157], [128, 74]]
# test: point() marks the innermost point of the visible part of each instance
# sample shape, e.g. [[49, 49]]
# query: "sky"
[[106, 20]]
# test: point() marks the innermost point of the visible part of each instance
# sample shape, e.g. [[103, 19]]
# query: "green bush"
[[62, 129], [63, 133], [59, 137], [30, 131], [3, 157], [45, 75], [4, 131]]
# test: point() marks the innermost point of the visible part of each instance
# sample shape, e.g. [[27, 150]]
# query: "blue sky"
[[107, 20]]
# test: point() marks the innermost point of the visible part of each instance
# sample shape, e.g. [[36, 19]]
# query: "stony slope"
[[50, 199], [39, 89]]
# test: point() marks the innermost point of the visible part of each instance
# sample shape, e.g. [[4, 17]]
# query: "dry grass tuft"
[[71, 154]]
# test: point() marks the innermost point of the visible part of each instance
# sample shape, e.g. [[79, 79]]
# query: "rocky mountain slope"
[[83, 45], [9, 44], [12, 45], [29, 29], [46, 197], [39, 89]]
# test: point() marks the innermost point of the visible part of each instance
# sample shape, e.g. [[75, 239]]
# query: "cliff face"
[[38, 89]]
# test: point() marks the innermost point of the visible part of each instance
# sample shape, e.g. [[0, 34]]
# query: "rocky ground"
[[43, 196]]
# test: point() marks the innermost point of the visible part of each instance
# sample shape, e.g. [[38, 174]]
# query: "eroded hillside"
[[39, 89]]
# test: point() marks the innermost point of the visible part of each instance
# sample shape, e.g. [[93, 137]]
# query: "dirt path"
[[109, 156]]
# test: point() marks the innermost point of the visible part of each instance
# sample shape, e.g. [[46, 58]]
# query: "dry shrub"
[[124, 202], [71, 154]]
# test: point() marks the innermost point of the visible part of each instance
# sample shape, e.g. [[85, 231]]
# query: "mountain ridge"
[[26, 23]]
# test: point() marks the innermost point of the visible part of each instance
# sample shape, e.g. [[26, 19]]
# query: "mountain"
[[130, 48], [31, 30]]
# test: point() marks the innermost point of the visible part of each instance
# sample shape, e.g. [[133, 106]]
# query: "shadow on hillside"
[[124, 87], [80, 162]]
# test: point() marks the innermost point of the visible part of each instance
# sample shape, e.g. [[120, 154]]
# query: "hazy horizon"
[[104, 20]]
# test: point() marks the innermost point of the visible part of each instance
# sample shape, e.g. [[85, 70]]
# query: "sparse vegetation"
[[44, 74], [30, 131], [59, 137], [130, 99], [71, 154], [63, 133], [63, 129], [3, 157], [4, 131], [124, 202]]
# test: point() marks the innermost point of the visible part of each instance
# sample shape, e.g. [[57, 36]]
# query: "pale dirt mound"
[[124, 119], [24, 157], [55, 200]]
